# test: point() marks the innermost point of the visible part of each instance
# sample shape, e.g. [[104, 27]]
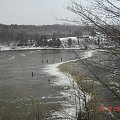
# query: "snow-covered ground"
[[4, 48], [64, 45]]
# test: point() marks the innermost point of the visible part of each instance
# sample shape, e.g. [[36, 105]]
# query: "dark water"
[[27, 97]]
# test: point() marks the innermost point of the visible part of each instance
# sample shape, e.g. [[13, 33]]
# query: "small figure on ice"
[[49, 80], [32, 74]]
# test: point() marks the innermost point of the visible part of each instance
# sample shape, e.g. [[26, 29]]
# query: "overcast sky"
[[36, 12]]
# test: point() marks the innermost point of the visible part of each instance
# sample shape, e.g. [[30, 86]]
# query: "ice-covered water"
[[18, 88]]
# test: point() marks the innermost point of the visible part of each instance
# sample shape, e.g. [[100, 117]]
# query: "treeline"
[[38, 35]]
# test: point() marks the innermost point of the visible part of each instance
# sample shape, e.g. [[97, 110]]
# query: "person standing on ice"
[[49, 80], [32, 74]]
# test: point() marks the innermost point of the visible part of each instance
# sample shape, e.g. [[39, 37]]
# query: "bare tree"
[[102, 15]]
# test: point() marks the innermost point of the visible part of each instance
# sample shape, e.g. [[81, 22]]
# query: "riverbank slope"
[[99, 77]]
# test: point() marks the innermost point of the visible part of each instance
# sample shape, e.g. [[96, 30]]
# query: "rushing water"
[[27, 97]]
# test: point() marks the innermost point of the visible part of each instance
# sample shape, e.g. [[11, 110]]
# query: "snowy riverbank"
[[5, 48], [69, 108]]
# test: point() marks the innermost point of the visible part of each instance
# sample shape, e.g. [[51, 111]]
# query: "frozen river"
[[27, 97]]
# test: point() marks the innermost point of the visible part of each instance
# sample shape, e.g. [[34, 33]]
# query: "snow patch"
[[22, 55], [4, 47], [88, 54]]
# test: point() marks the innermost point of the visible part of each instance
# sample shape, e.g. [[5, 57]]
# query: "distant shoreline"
[[41, 49]]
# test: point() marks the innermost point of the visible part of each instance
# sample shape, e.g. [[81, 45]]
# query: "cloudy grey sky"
[[35, 12]]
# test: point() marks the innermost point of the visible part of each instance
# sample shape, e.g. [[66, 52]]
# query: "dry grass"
[[79, 74]]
